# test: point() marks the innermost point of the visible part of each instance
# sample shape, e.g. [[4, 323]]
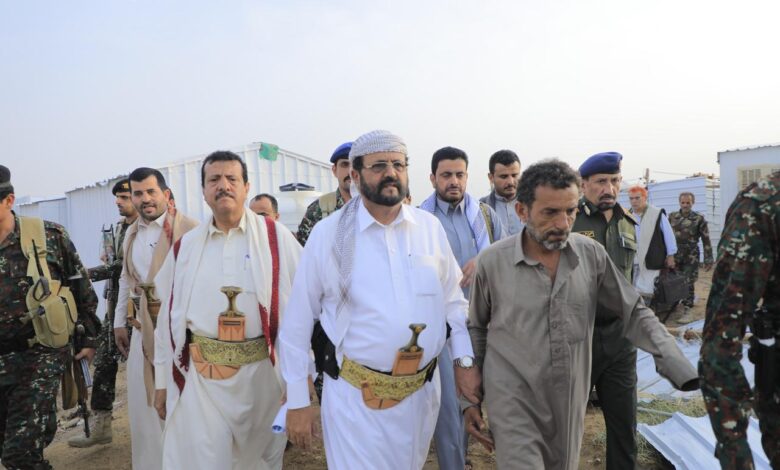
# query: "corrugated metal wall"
[[55, 210], [706, 190]]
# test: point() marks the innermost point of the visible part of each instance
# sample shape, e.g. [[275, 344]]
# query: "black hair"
[[553, 173], [274, 202], [503, 157], [140, 174], [447, 153], [222, 156]]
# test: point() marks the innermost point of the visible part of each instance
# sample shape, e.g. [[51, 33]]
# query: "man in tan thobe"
[[534, 340], [147, 242]]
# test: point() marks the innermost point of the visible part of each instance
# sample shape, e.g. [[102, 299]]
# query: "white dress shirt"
[[403, 273], [225, 262], [146, 239]]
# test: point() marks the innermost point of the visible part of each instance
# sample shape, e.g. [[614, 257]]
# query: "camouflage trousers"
[[768, 411], [106, 365], [29, 382], [736, 454], [690, 270]]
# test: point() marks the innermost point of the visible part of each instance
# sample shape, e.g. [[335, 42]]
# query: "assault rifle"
[[81, 375]]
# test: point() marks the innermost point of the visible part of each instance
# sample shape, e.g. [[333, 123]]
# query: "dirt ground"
[[116, 456]]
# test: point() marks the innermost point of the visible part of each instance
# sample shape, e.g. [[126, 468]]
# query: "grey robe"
[[533, 340]]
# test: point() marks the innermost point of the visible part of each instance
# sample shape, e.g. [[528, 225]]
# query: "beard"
[[451, 199], [508, 192], [374, 193], [543, 238], [606, 204]]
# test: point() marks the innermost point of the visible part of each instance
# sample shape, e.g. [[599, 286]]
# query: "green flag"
[[268, 151]]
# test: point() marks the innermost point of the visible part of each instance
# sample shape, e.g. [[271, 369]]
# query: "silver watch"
[[465, 362]]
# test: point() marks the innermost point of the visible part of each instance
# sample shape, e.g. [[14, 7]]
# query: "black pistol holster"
[[324, 352], [763, 350]]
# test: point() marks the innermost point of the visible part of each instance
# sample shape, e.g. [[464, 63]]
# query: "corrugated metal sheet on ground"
[[650, 385], [689, 443]]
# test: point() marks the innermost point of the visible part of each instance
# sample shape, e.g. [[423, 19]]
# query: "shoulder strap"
[[31, 230], [327, 204], [488, 220], [271, 322]]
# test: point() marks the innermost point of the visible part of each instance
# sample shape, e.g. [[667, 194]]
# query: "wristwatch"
[[465, 362]]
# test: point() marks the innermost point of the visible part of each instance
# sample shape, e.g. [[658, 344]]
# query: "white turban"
[[375, 142]]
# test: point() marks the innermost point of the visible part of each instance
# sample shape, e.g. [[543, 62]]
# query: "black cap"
[[121, 186], [5, 180]]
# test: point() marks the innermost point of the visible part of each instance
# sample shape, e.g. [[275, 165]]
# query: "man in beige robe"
[[219, 396], [146, 245], [533, 340]]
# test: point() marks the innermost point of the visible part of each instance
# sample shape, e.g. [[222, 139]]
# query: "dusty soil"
[[116, 456]]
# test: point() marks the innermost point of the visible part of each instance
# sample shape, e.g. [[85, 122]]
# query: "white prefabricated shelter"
[[84, 211], [740, 167], [706, 192], [54, 209]]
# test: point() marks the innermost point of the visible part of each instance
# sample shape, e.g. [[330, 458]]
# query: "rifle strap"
[[31, 231]]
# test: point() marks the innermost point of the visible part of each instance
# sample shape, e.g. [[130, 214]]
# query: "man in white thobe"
[[369, 271], [147, 242], [219, 407]]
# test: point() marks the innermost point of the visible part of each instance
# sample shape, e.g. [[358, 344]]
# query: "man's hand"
[[469, 383], [122, 340], [301, 427], [468, 272], [707, 266], [160, 397], [670, 262], [89, 353], [475, 426]]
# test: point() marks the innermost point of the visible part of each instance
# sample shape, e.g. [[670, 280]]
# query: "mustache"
[[220, 194], [607, 197], [557, 233], [347, 179], [389, 181]]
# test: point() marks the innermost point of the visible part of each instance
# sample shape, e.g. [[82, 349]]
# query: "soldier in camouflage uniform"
[[329, 202], [748, 271], [30, 376], [108, 355], [689, 226]]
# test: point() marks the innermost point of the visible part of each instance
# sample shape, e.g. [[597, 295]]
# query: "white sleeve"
[[120, 312], [302, 311]]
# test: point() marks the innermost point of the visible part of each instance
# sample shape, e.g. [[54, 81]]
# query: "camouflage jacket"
[[312, 216], [687, 231], [748, 269], [111, 272], [65, 266]]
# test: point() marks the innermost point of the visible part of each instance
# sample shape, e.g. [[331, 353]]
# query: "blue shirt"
[[456, 225]]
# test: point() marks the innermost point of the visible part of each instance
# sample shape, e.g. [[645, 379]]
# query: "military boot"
[[100, 431]]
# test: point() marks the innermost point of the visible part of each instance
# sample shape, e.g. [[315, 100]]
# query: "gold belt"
[[383, 386], [227, 353]]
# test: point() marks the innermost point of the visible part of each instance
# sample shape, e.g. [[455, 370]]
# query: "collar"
[[241, 225], [142, 223], [445, 206], [520, 256], [365, 219], [501, 198]]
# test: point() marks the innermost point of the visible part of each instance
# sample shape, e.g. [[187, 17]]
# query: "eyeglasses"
[[382, 166]]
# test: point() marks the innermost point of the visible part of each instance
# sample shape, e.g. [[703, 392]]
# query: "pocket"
[[576, 318], [628, 241], [425, 275]]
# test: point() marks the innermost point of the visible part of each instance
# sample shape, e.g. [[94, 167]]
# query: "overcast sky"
[[90, 90]]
